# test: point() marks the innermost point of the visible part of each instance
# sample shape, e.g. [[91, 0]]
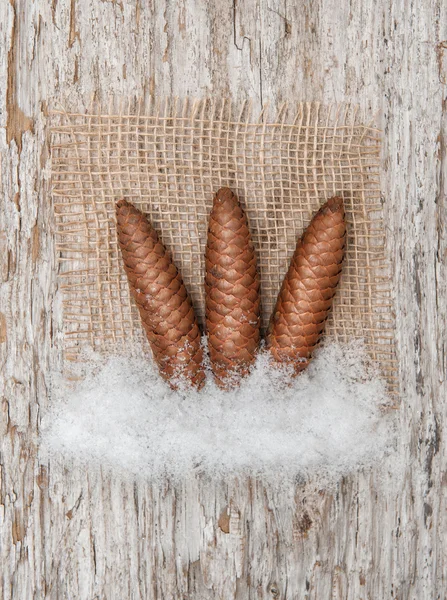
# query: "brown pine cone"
[[308, 288], [162, 300], [232, 291]]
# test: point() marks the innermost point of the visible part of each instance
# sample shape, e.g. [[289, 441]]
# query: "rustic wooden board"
[[65, 534]]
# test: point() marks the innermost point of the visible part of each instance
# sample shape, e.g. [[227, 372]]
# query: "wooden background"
[[65, 534]]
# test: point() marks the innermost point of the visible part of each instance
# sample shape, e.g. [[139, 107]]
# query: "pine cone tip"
[[225, 195], [333, 205], [121, 203]]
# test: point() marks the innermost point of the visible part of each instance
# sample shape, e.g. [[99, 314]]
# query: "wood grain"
[[66, 534]]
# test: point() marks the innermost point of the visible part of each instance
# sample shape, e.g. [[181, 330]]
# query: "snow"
[[331, 420]]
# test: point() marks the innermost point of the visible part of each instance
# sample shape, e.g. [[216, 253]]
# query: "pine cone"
[[161, 297], [308, 288], [232, 291]]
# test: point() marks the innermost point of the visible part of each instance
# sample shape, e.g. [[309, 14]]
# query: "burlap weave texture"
[[169, 159]]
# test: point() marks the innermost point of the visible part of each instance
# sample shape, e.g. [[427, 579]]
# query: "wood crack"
[[244, 37], [73, 34], [17, 123]]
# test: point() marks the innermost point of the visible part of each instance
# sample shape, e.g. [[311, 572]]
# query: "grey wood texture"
[[65, 534]]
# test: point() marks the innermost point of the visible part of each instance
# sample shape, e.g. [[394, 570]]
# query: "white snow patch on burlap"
[[121, 415]]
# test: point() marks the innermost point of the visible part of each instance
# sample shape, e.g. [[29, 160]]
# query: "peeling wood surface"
[[65, 534]]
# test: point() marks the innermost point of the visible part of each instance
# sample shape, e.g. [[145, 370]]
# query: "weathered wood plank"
[[66, 534]]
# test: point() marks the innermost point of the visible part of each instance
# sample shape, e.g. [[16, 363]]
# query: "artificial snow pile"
[[121, 415]]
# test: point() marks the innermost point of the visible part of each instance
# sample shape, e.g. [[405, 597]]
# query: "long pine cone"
[[305, 298], [232, 291], [161, 297]]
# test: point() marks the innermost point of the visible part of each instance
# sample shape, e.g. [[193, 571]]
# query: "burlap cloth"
[[169, 158]]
